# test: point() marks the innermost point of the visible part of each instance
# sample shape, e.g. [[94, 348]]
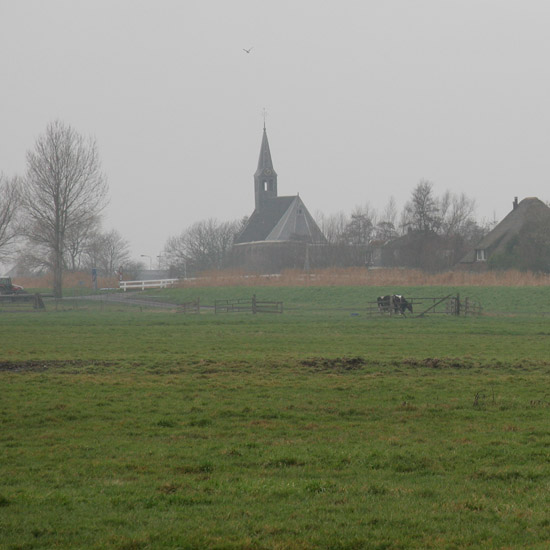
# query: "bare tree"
[[386, 227], [32, 260], [332, 226], [456, 213], [108, 252], [10, 198], [360, 228], [64, 188], [77, 242], [202, 246], [421, 213], [390, 211]]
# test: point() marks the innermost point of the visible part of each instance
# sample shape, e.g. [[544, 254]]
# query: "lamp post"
[[150, 261]]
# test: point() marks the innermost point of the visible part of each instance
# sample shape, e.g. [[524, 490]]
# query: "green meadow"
[[125, 427]]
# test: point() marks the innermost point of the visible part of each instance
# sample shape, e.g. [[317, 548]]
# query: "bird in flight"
[[249, 49]]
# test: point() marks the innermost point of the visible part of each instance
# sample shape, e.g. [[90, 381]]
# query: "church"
[[280, 233]]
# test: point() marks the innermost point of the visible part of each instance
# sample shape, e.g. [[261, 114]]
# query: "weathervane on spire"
[[264, 114]]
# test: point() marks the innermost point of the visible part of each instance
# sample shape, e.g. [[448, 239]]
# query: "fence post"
[[254, 310], [458, 305]]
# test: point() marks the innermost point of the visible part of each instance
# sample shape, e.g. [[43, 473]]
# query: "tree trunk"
[[58, 275]]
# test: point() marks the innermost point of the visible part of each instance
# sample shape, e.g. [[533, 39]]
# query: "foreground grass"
[[154, 430]]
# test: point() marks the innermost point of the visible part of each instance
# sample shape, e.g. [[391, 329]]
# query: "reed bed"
[[326, 277], [369, 277], [78, 279]]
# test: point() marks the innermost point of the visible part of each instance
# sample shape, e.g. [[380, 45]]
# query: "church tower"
[[265, 177], [276, 219]]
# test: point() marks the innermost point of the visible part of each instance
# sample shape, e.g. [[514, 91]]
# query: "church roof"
[[264, 160], [281, 219], [296, 224], [261, 222]]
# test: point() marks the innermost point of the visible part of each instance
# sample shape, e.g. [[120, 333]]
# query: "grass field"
[[128, 428]]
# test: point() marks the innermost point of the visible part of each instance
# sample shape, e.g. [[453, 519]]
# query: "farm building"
[[519, 240], [280, 233]]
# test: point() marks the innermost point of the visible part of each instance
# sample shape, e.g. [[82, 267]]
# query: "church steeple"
[[265, 177]]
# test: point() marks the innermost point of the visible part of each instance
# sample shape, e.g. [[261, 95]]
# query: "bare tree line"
[[447, 215]]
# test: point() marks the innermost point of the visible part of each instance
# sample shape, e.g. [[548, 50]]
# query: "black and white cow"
[[395, 303], [400, 304], [384, 303]]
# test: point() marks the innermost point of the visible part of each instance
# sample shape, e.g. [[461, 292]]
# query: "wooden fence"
[[452, 304], [191, 307], [35, 300], [252, 305]]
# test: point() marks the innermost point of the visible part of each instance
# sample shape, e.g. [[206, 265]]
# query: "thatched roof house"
[[530, 210]]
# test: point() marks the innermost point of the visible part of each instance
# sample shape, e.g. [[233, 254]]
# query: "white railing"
[[142, 285]]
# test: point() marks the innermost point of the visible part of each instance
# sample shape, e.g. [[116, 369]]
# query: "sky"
[[364, 99]]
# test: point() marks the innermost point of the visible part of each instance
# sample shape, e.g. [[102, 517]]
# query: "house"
[[530, 212], [280, 233]]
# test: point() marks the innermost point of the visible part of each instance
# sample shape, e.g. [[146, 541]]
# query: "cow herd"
[[395, 304]]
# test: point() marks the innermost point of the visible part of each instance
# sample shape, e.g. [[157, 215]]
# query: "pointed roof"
[[261, 223], [296, 224], [281, 219], [265, 157], [530, 209]]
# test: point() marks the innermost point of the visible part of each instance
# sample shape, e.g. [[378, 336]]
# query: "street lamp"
[[150, 261]]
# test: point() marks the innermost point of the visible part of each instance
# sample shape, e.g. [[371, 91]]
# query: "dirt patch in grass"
[[439, 363], [38, 365], [334, 363]]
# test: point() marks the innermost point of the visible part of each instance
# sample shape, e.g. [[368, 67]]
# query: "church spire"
[[264, 161], [265, 177]]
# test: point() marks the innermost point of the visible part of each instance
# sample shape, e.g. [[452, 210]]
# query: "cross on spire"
[[264, 114]]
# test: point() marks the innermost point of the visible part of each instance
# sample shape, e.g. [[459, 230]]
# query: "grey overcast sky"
[[364, 99]]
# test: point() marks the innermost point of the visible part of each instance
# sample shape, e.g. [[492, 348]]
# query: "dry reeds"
[[70, 280], [351, 276], [370, 277]]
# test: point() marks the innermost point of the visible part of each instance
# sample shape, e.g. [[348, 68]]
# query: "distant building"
[[416, 249], [530, 212], [280, 233]]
